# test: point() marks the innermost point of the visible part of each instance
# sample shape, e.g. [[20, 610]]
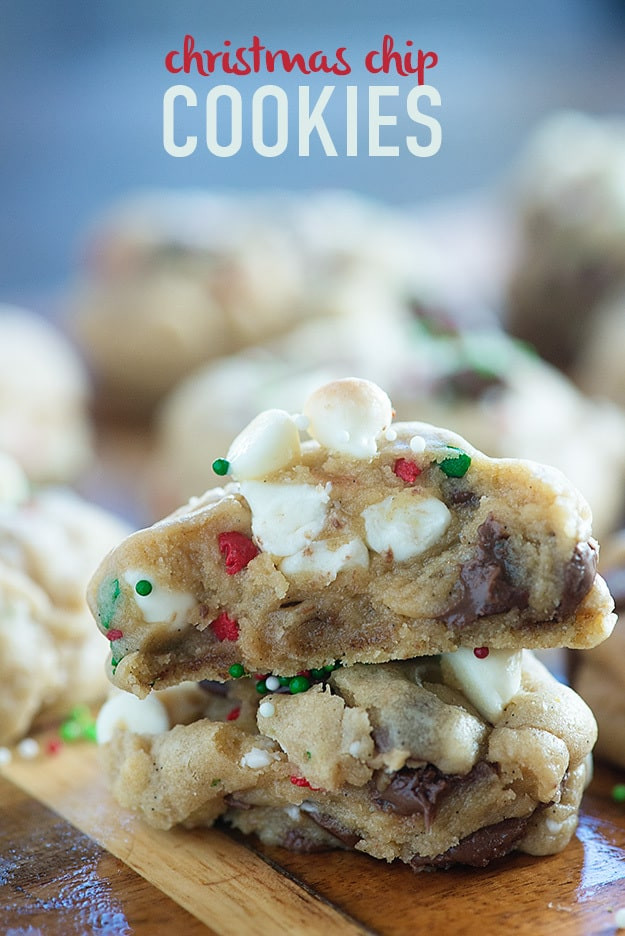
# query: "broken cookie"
[[365, 542]]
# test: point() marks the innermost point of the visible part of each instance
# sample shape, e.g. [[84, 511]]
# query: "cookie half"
[[370, 541], [428, 761]]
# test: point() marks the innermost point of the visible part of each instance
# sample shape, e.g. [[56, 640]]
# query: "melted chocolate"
[[486, 586], [579, 575], [479, 848], [463, 498], [420, 790]]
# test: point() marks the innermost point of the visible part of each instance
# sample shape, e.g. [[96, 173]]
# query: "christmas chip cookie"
[[457, 759], [51, 657], [366, 542]]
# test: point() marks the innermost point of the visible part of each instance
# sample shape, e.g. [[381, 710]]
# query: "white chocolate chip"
[[28, 748], [267, 709], [163, 605], [268, 443], [489, 683], [125, 712], [285, 517], [405, 523], [348, 415], [257, 758], [14, 488], [320, 559]]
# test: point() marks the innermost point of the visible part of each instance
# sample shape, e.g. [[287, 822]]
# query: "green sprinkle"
[[143, 587], [114, 663], [221, 466], [261, 687], [299, 684], [457, 466], [618, 793], [71, 731], [308, 755], [285, 680], [318, 673], [216, 782], [89, 733], [236, 670], [80, 714]]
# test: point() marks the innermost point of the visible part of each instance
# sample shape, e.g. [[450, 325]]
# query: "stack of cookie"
[[332, 650]]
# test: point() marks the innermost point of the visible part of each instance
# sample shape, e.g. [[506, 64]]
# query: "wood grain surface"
[[73, 863]]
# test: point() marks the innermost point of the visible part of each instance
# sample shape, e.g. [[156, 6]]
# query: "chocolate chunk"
[[335, 828], [579, 575], [419, 790], [415, 791], [486, 584], [470, 384], [463, 498], [479, 848]]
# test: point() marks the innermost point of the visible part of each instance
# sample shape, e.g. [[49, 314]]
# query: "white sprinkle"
[[300, 421], [267, 709], [5, 756], [257, 758], [619, 918], [390, 435], [355, 749], [28, 748], [293, 812], [272, 683], [417, 444]]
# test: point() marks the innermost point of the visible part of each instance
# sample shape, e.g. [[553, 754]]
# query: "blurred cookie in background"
[[51, 656], [44, 398], [570, 204], [480, 383], [173, 279]]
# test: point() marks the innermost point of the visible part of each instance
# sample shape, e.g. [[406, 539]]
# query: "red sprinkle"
[[224, 627], [53, 746], [407, 470], [237, 549], [114, 634], [303, 782], [481, 652], [234, 714]]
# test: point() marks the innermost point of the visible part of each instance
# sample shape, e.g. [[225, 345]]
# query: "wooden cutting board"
[[72, 863]]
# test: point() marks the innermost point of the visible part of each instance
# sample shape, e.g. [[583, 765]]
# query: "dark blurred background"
[[81, 87]]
